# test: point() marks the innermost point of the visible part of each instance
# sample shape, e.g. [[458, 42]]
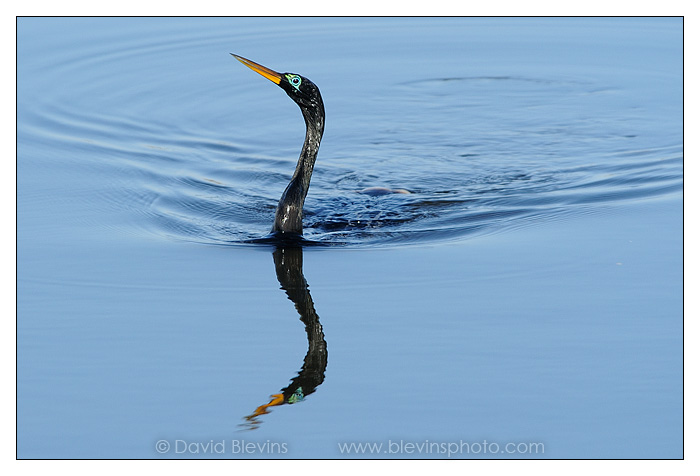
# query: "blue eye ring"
[[294, 80]]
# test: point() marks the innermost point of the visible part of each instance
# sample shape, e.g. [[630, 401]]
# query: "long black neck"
[[290, 208]]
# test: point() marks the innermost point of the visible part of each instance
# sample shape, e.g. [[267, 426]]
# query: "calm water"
[[527, 290]]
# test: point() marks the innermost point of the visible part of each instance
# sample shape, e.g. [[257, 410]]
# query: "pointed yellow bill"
[[273, 76]]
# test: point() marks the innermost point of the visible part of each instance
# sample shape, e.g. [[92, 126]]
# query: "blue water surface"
[[524, 300]]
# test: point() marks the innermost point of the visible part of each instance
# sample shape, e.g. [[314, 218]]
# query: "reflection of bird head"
[[275, 400]]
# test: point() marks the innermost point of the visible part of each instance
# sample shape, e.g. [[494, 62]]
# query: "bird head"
[[302, 90]]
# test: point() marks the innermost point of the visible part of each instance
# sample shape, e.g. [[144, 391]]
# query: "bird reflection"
[[289, 269]]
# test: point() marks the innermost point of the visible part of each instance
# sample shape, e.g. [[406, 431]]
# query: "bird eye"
[[294, 80]]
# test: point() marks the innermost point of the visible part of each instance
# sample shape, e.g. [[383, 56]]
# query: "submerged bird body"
[[288, 217]]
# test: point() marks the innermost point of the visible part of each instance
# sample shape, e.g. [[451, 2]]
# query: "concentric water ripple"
[[480, 153]]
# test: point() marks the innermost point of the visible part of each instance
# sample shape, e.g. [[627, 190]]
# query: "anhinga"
[[308, 98]]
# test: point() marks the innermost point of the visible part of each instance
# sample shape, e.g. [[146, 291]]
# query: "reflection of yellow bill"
[[277, 399]]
